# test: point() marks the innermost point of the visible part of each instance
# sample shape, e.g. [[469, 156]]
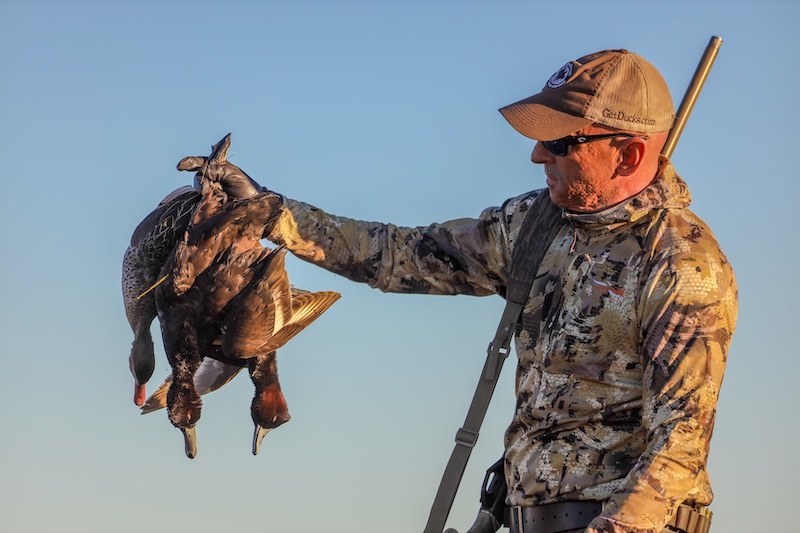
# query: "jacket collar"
[[666, 191]]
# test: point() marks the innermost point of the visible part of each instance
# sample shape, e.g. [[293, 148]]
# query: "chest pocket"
[[598, 282]]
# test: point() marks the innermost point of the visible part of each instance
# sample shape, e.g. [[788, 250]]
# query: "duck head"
[[184, 406], [142, 363], [269, 408]]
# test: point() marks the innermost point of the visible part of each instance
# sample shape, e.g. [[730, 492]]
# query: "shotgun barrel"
[[691, 95]]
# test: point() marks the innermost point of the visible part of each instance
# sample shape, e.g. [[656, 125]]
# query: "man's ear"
[[631, 156]]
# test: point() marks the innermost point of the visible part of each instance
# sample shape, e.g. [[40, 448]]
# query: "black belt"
[[559, 516], [563, 516]]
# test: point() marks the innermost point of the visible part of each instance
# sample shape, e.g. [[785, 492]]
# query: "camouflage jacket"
[[621, 347]]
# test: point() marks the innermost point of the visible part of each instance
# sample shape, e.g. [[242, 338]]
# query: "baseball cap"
[[615, 88]]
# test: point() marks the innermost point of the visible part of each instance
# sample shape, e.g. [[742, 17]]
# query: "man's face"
[[585, 179]]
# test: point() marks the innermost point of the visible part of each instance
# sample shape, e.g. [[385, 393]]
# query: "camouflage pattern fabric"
[[621, 347]]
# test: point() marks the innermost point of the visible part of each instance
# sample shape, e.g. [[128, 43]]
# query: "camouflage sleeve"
[[466, 256], [687, 314]]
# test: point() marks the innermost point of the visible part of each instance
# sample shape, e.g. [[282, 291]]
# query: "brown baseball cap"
[[615, 88]]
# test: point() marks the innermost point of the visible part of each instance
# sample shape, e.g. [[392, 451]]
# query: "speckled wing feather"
[[151, 243]]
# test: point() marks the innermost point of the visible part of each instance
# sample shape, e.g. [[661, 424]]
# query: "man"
[[622, 343]]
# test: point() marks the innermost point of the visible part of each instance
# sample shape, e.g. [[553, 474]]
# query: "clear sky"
[[375, 110]]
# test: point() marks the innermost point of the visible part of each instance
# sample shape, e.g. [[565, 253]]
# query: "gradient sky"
[[374, 110]]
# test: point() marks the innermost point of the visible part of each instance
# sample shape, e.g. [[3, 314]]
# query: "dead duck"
[[150, 245], [227, 297], [259, 321]]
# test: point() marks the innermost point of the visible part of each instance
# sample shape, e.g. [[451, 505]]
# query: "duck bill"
[[190, 441], [258, 436]]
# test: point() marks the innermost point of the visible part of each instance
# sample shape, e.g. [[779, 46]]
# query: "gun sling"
[[541, 224]]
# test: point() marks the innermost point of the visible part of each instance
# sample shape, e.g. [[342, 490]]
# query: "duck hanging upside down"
[[151, 244], [223, 301]]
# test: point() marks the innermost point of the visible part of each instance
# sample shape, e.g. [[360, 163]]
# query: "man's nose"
[[540, 155]]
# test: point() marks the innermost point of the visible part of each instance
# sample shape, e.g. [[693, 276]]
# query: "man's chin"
[[554, 197]]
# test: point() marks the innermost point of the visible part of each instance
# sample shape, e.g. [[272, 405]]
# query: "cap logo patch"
[[560, 78]]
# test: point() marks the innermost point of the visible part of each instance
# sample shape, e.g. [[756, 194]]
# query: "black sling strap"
[[541, 224]]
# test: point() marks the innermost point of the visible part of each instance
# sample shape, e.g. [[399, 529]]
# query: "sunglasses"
[[561, 146]]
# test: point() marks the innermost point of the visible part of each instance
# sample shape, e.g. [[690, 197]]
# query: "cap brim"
[[540, 122]]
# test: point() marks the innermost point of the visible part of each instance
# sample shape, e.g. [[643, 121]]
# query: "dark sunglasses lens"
[[557, 147]]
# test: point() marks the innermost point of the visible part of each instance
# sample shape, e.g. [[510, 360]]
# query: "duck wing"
[[270, 312], [160, 229], [221, 226], [213, 374], [226, 279], [306, 308], [298, 308], [253, 315], [151, 243]]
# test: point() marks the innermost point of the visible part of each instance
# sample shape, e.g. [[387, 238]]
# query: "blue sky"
[[374, 110]]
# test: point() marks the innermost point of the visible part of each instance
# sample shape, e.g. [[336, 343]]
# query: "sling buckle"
[[466, 437]]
